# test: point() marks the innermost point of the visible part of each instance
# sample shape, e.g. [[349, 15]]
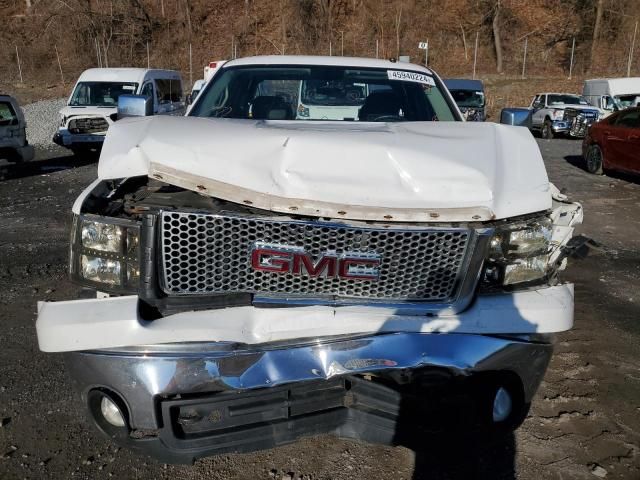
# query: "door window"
[[168, 90], [628, 119], [147, 90], [7, 114]]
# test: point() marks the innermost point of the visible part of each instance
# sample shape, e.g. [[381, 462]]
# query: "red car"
[[614, 143]]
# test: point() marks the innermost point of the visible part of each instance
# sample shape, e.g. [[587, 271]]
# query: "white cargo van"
[[92, 106], [611, 94]]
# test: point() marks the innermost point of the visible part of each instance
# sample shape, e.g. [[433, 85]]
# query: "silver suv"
[[13, 137]]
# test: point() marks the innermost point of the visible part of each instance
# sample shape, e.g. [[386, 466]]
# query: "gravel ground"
[[43, 120], [584, 423]]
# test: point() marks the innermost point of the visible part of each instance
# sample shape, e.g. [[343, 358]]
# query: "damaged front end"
[[255, 272], [196, 345]]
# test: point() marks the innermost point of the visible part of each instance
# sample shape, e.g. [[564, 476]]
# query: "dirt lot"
[[585, 421]]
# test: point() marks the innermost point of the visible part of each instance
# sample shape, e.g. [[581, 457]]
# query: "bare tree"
[[464, 42], [398, 23], [496, 36], [596, 31]]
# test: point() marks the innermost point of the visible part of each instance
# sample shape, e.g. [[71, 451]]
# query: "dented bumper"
[[185, 401], [240, 379]]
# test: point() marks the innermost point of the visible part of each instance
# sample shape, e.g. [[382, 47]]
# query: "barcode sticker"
[[411, 77]]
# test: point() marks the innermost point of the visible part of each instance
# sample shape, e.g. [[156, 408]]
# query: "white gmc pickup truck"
[[257, 276]]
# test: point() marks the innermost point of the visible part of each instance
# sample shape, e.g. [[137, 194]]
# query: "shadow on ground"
[[463, 459], [9, 171], [578, 161]]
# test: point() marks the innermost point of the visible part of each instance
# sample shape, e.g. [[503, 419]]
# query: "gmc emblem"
[[284, 259]]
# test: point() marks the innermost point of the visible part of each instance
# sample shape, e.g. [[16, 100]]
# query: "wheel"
[[594, 160], [547, 130], [11, 156]]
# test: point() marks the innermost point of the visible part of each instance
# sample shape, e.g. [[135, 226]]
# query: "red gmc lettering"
[[301, 263], [278, 262], [314, 270]]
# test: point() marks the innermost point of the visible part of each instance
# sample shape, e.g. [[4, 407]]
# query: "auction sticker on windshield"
[[411, 77]]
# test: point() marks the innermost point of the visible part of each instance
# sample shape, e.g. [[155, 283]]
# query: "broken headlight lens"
[[105, 253], [519, 253]]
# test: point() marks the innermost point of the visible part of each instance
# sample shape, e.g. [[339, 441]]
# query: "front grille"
[[88, 125], [580, 120], [207, 254]]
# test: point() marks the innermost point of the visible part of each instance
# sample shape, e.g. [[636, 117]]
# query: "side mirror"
[[188, 99], [134, 106]]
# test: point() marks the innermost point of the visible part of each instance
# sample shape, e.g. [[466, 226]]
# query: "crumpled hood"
[[87, 111], [417, 171]]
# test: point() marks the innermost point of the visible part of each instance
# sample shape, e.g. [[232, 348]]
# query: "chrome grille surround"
[[580, 120], [205, 253]]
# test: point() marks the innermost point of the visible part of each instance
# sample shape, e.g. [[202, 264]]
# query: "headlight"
[[105, 253], [100, 270], [105, 237], [470, 114], [519, 253], [557, 114]]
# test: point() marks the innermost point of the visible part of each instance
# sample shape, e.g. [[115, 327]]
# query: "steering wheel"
[[387, 118]]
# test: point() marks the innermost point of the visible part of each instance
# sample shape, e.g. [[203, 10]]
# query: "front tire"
[[594, 160], [547, 130]]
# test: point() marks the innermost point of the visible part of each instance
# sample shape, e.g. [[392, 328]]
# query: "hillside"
[[87, 33]]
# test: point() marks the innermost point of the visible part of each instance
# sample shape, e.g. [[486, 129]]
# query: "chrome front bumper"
[[560, 126], [64, 138], [352, 387]]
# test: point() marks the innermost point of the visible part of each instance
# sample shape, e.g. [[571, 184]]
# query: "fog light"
[[112, 413], [502, 405]]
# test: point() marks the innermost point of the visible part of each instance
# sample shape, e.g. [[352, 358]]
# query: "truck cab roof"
[[137, 75], [463, 84]]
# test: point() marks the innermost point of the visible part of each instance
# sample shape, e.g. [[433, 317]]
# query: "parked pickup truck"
[[252, 276], [469, 96], [562, 113]]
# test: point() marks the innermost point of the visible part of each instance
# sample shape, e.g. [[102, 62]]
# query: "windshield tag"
[[411, 77], [128, 87]]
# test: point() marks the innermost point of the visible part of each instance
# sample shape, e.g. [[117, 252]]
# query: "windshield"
[[567, 100], [284, 92], [468, 98], [626, 101], [100, 94], [333, 92]]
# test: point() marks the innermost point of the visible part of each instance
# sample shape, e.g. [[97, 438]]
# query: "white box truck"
[[611, 94]]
